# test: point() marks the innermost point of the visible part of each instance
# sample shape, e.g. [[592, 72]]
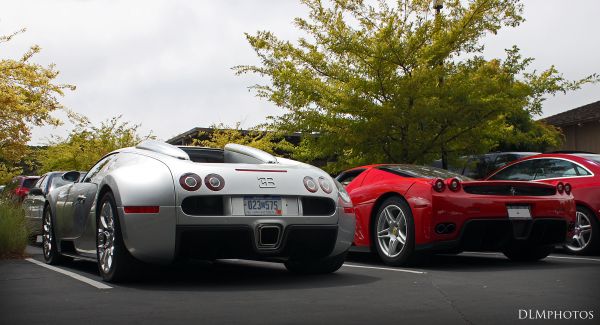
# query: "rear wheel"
[[528, 253], [114, 261], [51, 254], [320, 266], [584, 240], [394, 233]]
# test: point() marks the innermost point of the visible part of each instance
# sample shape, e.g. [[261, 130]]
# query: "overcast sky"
[[167, 64]]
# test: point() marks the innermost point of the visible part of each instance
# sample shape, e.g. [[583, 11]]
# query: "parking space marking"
[[384, 268], [98, 285], [550, 256]]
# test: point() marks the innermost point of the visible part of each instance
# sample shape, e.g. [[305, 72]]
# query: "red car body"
[[477, 210], [584, 176], [22, 185]]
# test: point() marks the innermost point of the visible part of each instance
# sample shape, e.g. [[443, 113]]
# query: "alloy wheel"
[[583, 233], [392, 230], [106, 237], [47, 235]]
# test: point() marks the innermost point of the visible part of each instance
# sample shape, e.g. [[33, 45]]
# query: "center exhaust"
[[268, 236]]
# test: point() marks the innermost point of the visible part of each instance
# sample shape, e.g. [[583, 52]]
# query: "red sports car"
[[582, 171], [402, 210]]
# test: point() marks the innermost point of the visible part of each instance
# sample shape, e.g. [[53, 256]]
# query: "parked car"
[[33, 204], [402, 210], [480, 166], [20, 186], [582, 172], [156, 202]]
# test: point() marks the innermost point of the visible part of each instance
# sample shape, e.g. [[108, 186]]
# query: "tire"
[[585, 240], [527, 253], [115, 263], [49, 248], [394, 232], [321, 266]]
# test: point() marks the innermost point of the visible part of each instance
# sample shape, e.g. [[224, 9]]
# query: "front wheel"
[[115, 263], [584, 240], [394, 232], [528, 253], [321, 266]]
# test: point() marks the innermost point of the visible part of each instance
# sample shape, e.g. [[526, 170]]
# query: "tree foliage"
[[87, 143], [269, 141], [28, 96], [383, 82]]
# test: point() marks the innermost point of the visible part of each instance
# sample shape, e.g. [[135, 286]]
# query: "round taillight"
[[190, 181], [214, 182], [560, 187], [454, 184], [310, 184], [439, 185], [325, 185], [568, 188]]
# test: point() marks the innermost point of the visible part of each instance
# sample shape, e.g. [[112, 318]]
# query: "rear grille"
[[203, 205], [317, 206], [519, 190]]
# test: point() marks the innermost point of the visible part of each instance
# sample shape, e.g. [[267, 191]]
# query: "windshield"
[[421, 172]]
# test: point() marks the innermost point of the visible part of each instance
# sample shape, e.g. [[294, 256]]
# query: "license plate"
[[518, 212], [262, 206]]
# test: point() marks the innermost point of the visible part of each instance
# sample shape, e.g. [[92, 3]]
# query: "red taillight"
[[310, 184], [142, 209], [190, 181], [454, 184], [560, 187], [439, 185], [214, 182], [325, 185], [567, 188]]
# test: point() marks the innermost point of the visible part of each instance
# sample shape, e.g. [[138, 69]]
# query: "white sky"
[[167, 64]]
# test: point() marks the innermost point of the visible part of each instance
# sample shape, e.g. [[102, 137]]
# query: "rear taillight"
[[325, 185], [454, 184], [439, 185], [214, 182], [568, 188], [142, 209], [190, 181], [310, 184], [560, 187]]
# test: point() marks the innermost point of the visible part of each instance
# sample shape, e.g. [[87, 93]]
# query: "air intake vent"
[[317, 206], [516, 190], [203, 205]]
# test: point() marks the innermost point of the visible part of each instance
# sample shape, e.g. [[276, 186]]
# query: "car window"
[[347, 177], [554, 168], [582, 171], [38, 184], [44, 182], [413, 171], [97, 169], [475, 168], [29, 182], [522, 171]]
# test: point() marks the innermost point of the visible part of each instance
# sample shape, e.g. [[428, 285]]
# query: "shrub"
[[13, 231]]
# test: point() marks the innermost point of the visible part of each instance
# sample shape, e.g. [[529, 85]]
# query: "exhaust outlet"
[[445, 228], [268, 236]]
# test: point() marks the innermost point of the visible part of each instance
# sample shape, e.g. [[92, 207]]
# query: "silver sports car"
[[156, 202]]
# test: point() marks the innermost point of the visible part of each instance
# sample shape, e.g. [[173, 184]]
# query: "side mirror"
[[71, 176], [36, 191]]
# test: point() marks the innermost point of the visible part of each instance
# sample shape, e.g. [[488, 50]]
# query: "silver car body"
[[33, 203], [149, 175]]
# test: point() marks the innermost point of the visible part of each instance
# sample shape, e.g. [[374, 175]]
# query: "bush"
[[13, 230]]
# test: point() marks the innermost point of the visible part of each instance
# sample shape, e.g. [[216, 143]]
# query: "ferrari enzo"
[[156, 202], [404, 210]]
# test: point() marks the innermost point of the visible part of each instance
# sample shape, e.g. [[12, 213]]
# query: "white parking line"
[[550, 256], [75, 276], [384, 268]]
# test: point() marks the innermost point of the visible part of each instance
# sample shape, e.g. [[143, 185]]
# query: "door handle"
[[81, 198]]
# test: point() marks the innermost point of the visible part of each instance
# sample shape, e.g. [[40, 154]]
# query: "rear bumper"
[[497, 234]]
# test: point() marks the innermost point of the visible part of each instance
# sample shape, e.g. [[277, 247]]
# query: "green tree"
[[269, 141], [400, 83], [28, 96], [87, 143]]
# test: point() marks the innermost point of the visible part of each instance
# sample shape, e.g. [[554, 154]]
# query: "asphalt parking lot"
[[470, 288]]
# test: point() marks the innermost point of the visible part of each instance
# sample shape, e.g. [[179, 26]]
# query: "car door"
[[33, 203]]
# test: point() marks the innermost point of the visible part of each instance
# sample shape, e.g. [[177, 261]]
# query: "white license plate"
[[518, 211], [262, 206]]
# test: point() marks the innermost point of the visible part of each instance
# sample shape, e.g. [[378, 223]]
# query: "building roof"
[[586, 113]]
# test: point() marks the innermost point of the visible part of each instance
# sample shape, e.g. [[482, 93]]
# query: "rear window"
[[415, 171], [29, 182]]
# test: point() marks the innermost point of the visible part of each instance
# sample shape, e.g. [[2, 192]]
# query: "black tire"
[[407, 254], [49, 248], [527, 253], [321, 266], [122, 264], [585, 218]]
